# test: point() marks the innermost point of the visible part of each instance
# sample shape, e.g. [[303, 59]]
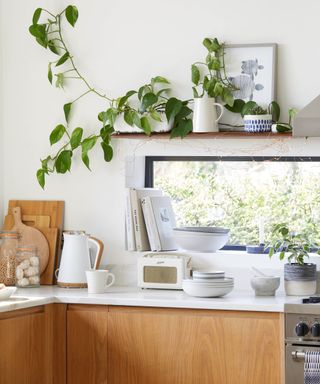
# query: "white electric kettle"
[[76, 259]]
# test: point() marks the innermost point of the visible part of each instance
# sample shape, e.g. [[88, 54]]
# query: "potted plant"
[[256, 118], [210, 82], [300, 277]]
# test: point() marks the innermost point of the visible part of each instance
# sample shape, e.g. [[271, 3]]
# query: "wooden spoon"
[[31, 236]]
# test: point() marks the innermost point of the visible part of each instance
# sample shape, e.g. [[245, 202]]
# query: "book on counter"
[[160, 221], [137, 237]]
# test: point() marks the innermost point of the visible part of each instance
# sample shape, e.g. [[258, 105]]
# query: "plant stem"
[[74, 66]]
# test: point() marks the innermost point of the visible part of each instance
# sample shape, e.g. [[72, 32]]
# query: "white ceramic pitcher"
[[205, 115], [76, 260]]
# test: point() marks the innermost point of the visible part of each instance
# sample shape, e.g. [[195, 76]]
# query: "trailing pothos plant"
[[210, 77], [139, 108]]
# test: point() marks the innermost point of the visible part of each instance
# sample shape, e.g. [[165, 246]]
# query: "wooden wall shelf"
[[207, 135]]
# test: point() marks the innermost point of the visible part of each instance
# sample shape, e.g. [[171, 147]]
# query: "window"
[[240, 193]]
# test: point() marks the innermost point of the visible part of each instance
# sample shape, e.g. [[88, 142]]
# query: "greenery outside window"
[[240, 192]]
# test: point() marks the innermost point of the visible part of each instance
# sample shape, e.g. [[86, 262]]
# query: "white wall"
[[120, 45]]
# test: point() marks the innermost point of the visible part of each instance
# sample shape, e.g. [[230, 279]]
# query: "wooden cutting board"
[[31, 236], [51, 234], [52, 208], [37, 221]]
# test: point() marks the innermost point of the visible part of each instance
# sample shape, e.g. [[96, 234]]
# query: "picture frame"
[[252, 68]]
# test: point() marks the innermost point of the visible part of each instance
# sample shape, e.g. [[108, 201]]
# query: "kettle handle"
[[100, 247]]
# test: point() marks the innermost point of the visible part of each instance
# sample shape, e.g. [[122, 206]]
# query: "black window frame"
[[150, 160]]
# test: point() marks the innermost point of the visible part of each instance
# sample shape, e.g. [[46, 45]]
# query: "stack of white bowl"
[[208, 284]]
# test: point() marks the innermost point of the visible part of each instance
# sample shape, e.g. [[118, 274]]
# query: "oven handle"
[[298, 355]]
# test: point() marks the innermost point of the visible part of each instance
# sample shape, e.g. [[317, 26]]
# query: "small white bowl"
[[265, 285], [200, 241], [200, 290], [5, 293]]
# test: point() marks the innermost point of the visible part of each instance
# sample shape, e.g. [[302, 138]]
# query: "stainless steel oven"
[[302, 334]]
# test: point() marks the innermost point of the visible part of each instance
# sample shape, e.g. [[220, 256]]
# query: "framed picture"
[[252, 69]]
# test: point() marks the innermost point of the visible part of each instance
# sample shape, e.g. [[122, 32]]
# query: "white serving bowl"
[[200, 241], [200, 290], [5, 293], [265, 285], [207, 275]]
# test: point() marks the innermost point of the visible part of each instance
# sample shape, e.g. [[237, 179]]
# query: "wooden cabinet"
[[96, 344], [22, 341], [87, 344], [149, 345]]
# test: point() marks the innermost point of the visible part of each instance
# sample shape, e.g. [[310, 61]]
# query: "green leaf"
[[125, 98], [156, 116], [72, 14], [215, 45], [274, 108], [181, 129], [44, 163], [105, 133], [38, 30], [63, 162], [195, 92], [57, 134], [292, 113], [128, 117], [218, 89], [147, 100], [247, 108], [103, 117], [86, 145], [227, 96], [50, 73], [40, 33], [112, 114], [52, 47], [214, 64], [173, 107], [195, 74], [159, 79], [60, 80], [76, 138], [136, 119], [238, 104], [163, 90], [63, 59], [208, 44], [107, 151], [36, 15], [142, 90], [282, 127], [145, 125], [184, 112], [41, 177], [67, 110]]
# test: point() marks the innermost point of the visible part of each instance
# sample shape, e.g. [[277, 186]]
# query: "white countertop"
[[132, 296]]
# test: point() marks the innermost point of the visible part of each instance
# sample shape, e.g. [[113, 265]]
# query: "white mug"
[[98, 280], [205, 115]]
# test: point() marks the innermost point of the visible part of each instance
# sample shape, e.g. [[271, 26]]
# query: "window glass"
[[241, 194]]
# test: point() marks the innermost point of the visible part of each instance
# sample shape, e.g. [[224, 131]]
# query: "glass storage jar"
[[8, 249], [28, 267]]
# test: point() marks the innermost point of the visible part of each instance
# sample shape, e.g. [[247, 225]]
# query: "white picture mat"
[[265, 54]]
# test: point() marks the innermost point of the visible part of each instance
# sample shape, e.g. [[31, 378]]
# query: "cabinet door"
[[169, 346], [87, 344], [23, 351]]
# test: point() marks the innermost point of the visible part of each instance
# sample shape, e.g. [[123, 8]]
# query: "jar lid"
[[9, 234]]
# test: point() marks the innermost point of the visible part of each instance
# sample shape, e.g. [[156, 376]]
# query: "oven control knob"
[[315, 330], [302, 329]]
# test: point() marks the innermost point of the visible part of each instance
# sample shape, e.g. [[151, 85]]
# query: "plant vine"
[[152, 98]]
